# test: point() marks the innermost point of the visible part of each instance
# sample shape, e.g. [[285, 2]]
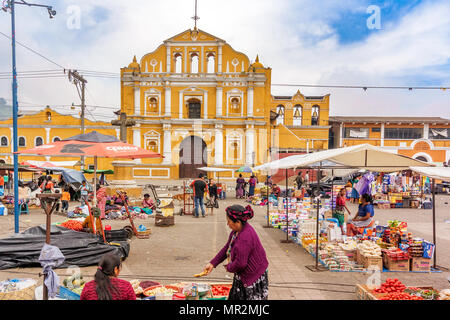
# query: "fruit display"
[[444, 294], [391, 286], [73, 224], [400, 296], [74, 283], [136, 287], [220, 290], [397, 254], [425, 294]]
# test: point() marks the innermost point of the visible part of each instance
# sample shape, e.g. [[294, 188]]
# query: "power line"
[[35, 52]]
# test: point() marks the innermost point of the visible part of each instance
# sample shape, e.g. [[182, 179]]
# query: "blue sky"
[[303, 41]]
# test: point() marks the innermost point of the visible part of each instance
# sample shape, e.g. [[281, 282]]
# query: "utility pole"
[[10, 5], [123, 122], [80, 84]]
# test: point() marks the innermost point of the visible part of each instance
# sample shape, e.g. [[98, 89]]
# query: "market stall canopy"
[[245, 169], [99, 171], [440, 173], [22, 168], [213, 169], [92, 144], [364, 156], [70, 175], [41, 164]]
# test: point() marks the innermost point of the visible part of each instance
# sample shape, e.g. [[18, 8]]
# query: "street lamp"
[[9, 5]]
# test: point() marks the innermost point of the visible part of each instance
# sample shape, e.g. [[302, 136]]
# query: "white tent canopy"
[[360, 156], [440, 173], [214, 169]]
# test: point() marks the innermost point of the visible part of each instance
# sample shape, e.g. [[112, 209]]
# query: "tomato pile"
[[218, 290], [400, 296], [72, 224], [391, 286]]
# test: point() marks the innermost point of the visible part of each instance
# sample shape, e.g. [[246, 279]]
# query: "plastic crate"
[[67, 294]]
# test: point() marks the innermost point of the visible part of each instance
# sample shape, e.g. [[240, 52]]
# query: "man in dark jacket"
[[200, 187], [299, 181]]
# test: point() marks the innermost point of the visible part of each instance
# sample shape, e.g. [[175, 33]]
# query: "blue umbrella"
[[245, 169]]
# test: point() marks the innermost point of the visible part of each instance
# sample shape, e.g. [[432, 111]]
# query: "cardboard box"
[[397, 265], [359, 257], [421, 264], [372, 261]]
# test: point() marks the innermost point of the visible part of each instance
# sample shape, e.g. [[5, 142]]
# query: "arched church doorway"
[[193, 155]]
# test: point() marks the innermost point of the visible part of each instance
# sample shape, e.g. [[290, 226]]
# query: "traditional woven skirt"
[[257, 291]]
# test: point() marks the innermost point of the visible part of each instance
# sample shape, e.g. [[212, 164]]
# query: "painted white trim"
[[423, 154], [235, 93], [167, 101], [151, 172], [249, 99], [234, 136], [47, 132], [430, 143], [219, 101]]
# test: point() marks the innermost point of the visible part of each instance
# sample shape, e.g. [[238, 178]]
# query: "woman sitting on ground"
[[364, 216], [106, 285]]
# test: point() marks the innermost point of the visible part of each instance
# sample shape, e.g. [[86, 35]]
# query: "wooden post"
[[49, 201]]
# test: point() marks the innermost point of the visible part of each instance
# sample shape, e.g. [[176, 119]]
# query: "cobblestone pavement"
[[177, 252]]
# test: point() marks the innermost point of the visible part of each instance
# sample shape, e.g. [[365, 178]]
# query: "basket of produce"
[[72, 287], [18, 289], [220, 291], [161, 292]]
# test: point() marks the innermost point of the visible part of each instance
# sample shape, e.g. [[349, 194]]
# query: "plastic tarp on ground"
[[79, 248]]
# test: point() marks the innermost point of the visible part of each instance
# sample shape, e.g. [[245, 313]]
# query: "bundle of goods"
[[424, 293], [72, 287], [397, 254], [17, 289], [72, 224], [416, 248], [160, 292], [444, 294]]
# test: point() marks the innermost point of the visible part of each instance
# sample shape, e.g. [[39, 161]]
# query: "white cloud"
[[295, 38]]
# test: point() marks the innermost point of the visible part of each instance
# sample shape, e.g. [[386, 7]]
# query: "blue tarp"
[[71, 176]]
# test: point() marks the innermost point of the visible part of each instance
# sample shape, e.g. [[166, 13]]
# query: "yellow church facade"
[[199, 102]]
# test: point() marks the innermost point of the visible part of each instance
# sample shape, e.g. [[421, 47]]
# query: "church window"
[[22, 142], [55, 139], [4, 141], [234, 146], [194, 63], [38, 141], [297, 119], [178, 62], [152, 104], [152, 139], [194, 109], [48, 115], [315, 111], [235, 105], [280, 112], [210, 63]]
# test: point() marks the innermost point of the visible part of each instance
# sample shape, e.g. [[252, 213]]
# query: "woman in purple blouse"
[[245, 255]]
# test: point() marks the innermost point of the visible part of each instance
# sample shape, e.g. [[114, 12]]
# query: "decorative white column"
[[202, 55], [250, 102], [167, 106], [219, 60], [167, 150], [181, 104], [118, 133], [205, 106], [137, 136], [47, 133], [382, 135], [137, 100], [426, 130], [219, 97], [249, 145], [218, 145], [185, 59], [341, 134], [167, 59]]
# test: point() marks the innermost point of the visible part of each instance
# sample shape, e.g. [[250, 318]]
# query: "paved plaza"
[[175, 253]]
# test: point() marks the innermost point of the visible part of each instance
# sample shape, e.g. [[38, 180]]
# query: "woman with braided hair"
[[245, 255]]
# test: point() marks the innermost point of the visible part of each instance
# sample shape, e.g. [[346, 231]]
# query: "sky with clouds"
[[323, 42]]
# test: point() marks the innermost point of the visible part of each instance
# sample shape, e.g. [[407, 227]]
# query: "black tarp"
[[79, 248]]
